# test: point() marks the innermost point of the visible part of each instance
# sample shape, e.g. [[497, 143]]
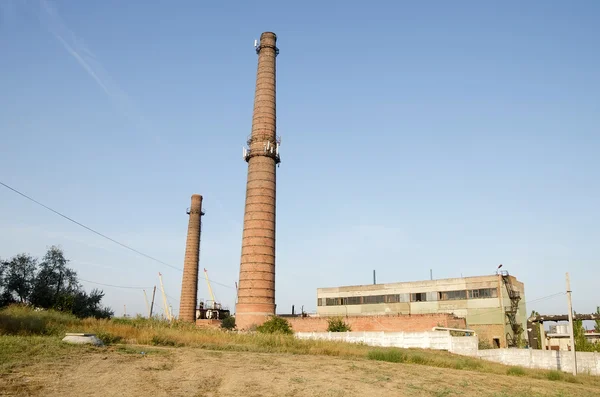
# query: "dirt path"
[[196, 373]]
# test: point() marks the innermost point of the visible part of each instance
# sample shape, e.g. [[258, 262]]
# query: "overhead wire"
[[99, 233], [111, 285], [527, 302]]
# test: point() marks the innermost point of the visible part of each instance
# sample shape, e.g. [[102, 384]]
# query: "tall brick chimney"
[[256, 290], [189, 283]]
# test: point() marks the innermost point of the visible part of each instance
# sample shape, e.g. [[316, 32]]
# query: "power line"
[[111, 285], [102, 235], [89, 228], [527, 302]]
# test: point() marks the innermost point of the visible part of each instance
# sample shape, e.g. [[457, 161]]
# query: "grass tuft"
[[554, 375], [392, 356], [515, 371]]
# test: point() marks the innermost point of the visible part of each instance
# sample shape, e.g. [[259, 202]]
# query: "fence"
[[588, 363], [437, 340], [561, 360]]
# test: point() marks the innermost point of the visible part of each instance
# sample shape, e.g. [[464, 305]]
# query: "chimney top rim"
[[269, 34]]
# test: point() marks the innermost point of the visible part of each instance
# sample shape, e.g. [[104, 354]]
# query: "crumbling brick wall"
[[396, 323]]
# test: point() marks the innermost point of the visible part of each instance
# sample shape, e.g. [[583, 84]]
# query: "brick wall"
[[406, 323], [487, 332]]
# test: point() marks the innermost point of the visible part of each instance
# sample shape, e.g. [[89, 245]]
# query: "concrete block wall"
[[588, 363], [436, 340], [404, 323]]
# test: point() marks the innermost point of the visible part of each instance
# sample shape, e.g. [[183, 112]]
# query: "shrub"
[[275, 325], [337, 324], [228, 323], [107, 338], [515, 371]]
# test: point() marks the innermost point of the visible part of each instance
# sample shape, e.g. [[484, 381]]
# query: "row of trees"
[[49, 284]]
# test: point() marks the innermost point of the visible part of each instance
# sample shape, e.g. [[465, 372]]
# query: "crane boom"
[[210, 291], [162, 287], [147, 304]]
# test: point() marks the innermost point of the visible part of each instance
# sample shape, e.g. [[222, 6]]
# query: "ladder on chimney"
[[511, 313]]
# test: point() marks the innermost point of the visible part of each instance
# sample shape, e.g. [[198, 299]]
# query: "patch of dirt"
[[202, 373]]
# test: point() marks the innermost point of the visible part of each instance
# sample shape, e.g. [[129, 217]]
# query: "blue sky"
[[415, 136]]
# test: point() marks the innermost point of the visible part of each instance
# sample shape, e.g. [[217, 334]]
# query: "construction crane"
[[210, 291], [212, 310], [164, 295]]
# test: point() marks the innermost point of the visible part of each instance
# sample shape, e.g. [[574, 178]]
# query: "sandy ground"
[[195, 372]]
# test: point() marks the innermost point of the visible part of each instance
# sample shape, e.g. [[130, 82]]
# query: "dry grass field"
[[152, 358]]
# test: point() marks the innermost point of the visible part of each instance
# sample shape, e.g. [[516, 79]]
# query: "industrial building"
[[493, 306]]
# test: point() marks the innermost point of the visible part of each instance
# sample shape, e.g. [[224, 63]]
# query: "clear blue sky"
[[415, 136]]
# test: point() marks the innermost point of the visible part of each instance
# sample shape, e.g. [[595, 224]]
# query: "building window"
[[452, 295], [354, 300], [483, 293], [373, 299], [330, 301], [418, 297], [392, 298], [320, 302]]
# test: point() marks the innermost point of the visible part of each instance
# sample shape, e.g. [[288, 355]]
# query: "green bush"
[[107, 338], [515, 371], [275, 325], [337, 324], [228, 323]]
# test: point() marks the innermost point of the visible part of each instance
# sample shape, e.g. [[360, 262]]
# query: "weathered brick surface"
[[487, 332], [189, 282], [406, 323], [256, 289]]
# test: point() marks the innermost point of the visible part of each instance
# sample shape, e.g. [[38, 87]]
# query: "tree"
[[51, 284], [19, 277], [54, 282], [337, 324], [5, 296], [597, 326]]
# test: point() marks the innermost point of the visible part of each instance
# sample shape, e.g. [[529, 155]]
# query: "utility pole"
[[124, 310], [571, 325], [152, 304]]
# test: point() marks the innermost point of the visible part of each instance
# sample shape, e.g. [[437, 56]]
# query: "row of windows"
[[414, 297]]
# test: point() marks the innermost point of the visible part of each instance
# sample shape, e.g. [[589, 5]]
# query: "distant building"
[[493, 306], [559, 338]]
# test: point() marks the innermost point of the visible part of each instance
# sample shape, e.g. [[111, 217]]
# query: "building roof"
[[449, 281]]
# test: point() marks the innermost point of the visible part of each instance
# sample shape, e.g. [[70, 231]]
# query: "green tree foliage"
[[597, 326], [228, 323], [19, 276], [337, 324], [582, 344], [275, 325], [51, 284]]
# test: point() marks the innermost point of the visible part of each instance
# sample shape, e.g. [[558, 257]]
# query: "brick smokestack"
[[256, 290], [189, 283]]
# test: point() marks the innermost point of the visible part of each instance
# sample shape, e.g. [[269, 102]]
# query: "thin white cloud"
[[85, 57]]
